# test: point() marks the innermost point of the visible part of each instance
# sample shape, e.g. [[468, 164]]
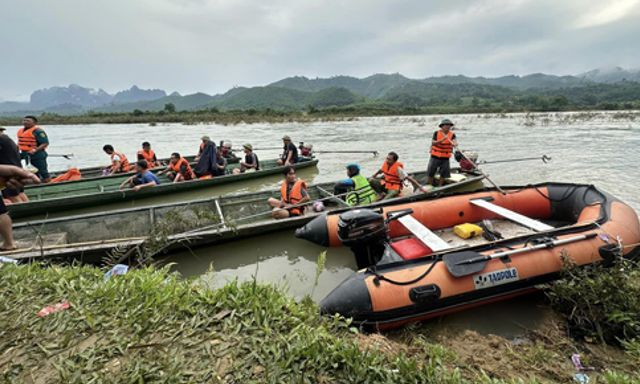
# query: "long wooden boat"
[[49, 198], [414, 268], [90, 237], [94, 172]]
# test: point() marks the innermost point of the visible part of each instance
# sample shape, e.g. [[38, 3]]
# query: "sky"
[[213, 45]]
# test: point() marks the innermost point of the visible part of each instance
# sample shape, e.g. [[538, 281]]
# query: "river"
[[600, 148]]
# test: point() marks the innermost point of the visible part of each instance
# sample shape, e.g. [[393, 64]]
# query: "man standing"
[[33, 142], [9, 155], [442, 145], [289, 153], [14, 178]]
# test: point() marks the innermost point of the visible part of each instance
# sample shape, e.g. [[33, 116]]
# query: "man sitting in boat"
[[250, 163], [11, 177], [146, 153], [356, 190], [207, 159], [442, 144], [293, 195], [227, 151], [393, 177], [119, 162], [306, 150], [143, 178], [289, 152], [206, 141], [178, 169], [220, 168]]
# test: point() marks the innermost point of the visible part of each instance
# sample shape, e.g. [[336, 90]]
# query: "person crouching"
[[143, 178]]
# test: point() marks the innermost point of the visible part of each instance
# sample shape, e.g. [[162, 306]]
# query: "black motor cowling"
[[364, 231]]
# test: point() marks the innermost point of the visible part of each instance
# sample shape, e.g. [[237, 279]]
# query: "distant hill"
[[599, 87]]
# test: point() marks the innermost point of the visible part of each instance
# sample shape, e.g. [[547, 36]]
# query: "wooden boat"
[[96, 172], [420, 270], [50, 198], [190, 224]]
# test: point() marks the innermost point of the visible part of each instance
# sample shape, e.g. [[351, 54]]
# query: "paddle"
[[374, 153], [469, 262], [545, 159], [67, 156]]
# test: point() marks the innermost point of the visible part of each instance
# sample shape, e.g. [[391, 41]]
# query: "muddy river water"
[[599, 148]]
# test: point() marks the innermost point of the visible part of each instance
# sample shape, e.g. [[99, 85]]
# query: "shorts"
[[10, 192], [441, 164], [3, 207]]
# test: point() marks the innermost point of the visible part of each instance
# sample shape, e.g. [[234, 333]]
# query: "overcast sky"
[[213, 45]]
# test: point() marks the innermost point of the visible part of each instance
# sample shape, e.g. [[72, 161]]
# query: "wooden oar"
[[469, 262], [545, 159]]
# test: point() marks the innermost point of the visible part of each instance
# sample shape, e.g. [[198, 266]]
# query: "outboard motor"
[[365, 232]]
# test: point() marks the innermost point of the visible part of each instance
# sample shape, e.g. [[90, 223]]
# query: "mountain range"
[[299, 92]]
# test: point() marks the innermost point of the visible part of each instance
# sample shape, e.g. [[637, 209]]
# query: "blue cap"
[[353, 165]]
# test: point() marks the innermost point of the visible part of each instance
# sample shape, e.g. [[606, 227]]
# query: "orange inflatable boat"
[[417, 268]]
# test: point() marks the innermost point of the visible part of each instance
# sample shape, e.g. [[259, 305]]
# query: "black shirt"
[[9, 154], [290, 148]]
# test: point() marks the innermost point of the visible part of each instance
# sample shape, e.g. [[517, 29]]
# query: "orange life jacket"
[[150, 157], [391, 180], [124, 163], [176, 168], [72, 174], [27, 139], [445, 148], [294, 197]]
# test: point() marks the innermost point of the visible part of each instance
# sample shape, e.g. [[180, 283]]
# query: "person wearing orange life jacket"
[[293, 194], [178, 169], [442, 144], [393, 177], [119, 162], [147, 154], [33, 142]]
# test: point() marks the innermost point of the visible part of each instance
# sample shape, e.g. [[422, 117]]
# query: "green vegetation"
[[152, 326]]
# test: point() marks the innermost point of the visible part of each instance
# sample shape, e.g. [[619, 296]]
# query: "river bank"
[[153, 326], [234, 117]]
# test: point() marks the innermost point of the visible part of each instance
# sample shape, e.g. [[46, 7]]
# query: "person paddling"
[[289, 152], [442, 145], [393, 177], [361, 191], [147, 154], [143, 178], [293, 193], [33, 142], [119, 162], [250, 162], [178, 169]]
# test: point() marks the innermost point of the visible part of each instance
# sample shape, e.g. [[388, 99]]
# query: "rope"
[[424, 274]]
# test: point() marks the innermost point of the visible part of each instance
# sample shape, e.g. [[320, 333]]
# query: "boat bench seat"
[[511, 215], [423, 234]]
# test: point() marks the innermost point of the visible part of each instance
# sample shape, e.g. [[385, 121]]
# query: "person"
[[361, 191], [293, 194], [220, 167], [15, 178], [306, 150], [10, 155], [207, 159], [146, 153], [289, 154], [119, 162], [250, 163], [178, 169], [143, 178], [227, 151], [33, 142], [206, 141], [442, 144], [393, 177]]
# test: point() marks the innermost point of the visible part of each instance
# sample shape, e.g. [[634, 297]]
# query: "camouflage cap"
[[446, 122]]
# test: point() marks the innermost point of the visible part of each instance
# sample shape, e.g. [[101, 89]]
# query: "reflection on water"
[[602, 151]]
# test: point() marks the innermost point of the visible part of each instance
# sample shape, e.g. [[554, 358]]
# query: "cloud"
[[212, 45]]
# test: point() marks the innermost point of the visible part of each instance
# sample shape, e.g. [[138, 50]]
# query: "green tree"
[[170, 108], [137, 112]]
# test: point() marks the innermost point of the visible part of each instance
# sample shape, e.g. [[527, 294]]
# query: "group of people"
[[386, 183]]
